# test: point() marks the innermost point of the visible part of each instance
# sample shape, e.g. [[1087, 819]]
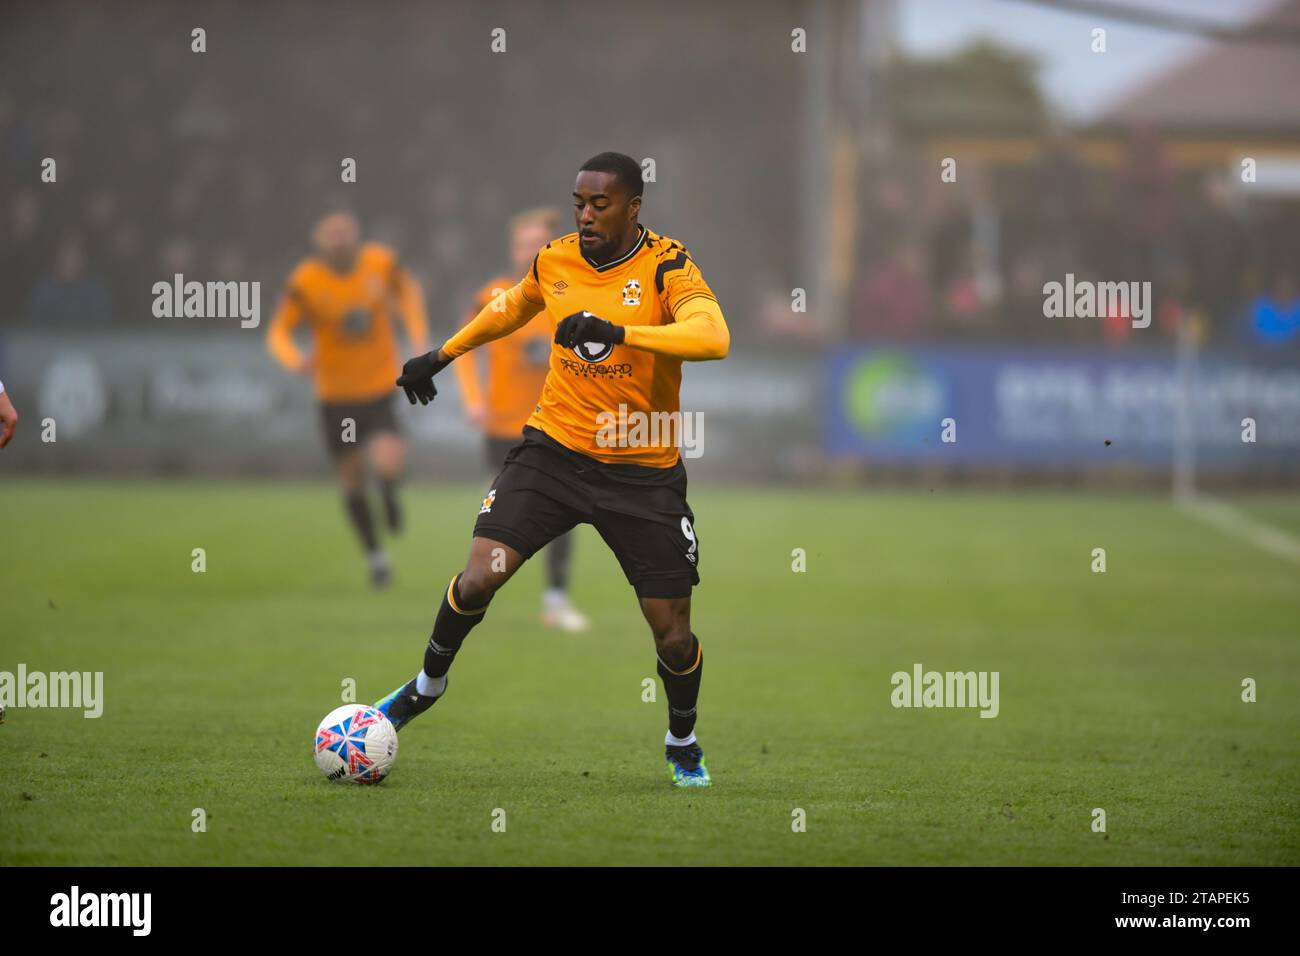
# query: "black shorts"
[[544, 489], [371, 418]]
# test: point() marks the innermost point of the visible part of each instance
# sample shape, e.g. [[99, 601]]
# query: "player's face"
[[604, 213], [528, 237], [336, 239]]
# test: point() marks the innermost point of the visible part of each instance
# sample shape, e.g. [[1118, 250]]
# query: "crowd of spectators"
[[968, 260], [216, 164]]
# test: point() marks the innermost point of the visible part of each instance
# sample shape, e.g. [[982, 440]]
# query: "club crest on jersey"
[[487, 502], [632, 292]]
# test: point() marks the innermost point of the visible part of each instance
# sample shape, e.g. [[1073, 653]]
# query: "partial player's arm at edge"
[[279, 337], [467, 376], [410, 299], [698, 333], [502, 315]]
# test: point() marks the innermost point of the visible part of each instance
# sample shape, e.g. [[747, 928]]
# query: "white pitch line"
[[1232, 522]]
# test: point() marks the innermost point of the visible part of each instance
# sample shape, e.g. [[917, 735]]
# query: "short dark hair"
[[625, 168]]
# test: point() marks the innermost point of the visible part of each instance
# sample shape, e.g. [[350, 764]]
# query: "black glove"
[[585, 327], [417, 377]]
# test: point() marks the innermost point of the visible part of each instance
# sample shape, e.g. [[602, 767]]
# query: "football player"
[[634, 306], [344, 294]]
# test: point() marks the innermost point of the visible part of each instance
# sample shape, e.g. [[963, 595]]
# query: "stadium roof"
[[1231, 86]]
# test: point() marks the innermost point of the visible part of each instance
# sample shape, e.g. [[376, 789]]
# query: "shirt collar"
[[636, 247]]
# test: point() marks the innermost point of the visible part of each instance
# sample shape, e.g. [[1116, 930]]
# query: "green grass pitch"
[[1119, 691]]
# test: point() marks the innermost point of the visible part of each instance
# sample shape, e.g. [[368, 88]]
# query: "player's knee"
[[350, 474], [673, 643], [476, 585]]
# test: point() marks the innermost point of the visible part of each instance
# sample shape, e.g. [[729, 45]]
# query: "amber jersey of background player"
[[349, 316]]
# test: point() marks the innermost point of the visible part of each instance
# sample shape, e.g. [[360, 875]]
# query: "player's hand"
[[477, 415], [417, 377], [8, 419], [586, 327]]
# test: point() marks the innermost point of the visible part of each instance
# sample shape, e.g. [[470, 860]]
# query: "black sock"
[[557, 562], [392, 507], [449, 630], [682, 686], [359, 512]]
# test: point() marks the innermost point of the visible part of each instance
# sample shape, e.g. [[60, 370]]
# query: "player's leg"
[[388, 455], [681, 668], [557, 608], [340, 427], [526, 508], [388, 459], [490, 565], [660, 559], [349, 466], [464, 604]]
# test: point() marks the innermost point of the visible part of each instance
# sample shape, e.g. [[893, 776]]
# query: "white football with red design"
[[355, 743]]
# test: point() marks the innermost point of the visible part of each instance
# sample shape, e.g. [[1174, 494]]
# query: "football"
[[355, 743]]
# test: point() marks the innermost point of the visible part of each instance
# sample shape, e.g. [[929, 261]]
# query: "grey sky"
[[1081, 83]]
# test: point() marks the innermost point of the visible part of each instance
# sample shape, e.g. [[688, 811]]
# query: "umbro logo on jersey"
[[561, 286]]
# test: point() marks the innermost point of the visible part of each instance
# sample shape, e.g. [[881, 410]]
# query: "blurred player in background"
[[501, 400], [8, 417], [344, 294]]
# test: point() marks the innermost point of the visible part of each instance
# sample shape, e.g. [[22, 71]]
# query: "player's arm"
[[467, 377], [279, 337], [698, 333], [410, 302], [512, 310]]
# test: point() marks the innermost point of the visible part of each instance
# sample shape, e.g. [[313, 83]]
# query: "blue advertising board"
[[1052, 406]]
